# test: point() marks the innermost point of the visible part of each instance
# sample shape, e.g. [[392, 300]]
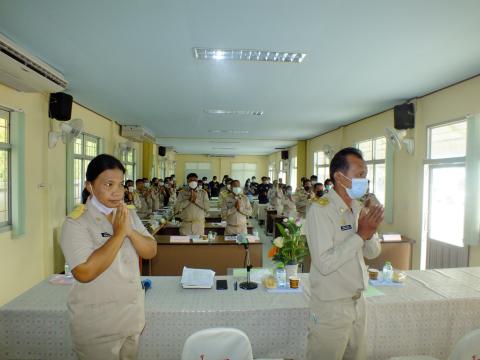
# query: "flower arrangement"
[[290, 248]]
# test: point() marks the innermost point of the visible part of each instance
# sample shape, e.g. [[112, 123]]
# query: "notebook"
[[197, 278]]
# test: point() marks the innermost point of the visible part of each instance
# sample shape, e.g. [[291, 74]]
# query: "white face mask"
[[105, 210], [146, 185], [237, 190], [358, 189], [161, 184], [130, 189], [193, 185], [329, 187], [229, 186]]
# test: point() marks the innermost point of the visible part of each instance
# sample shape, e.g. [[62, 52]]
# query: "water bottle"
[[387, 271], [281, 276], [68, 273]]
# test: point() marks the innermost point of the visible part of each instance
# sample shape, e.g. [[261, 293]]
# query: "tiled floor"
[[267, 243]]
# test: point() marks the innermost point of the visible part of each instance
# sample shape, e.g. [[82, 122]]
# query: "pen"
[[235, 286]]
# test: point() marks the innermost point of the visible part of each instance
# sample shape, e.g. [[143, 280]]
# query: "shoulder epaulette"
[[321, 201], [77, 212], [131, 207]]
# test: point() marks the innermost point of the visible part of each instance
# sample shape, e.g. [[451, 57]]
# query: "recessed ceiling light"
[[249, 55], [233, 112]]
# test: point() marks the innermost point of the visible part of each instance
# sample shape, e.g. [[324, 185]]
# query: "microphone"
[[146, 284]]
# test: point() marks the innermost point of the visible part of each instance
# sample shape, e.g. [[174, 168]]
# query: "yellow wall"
[[27, 260], [448, 104], [220, 165]]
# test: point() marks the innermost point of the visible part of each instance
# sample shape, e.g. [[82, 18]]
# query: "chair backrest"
[[468, 348], [217, 344]]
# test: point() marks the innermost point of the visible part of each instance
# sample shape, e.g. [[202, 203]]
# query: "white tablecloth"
[[426, 316], [35, 325]]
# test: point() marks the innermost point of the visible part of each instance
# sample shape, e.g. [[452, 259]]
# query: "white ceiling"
[[133, 61]]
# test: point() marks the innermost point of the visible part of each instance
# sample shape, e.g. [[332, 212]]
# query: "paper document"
[[180, 239], [197, 278], [230, 238]]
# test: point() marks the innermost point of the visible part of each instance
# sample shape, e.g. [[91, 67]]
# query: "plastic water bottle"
[[281, 276], [68, 273], [387, 271]]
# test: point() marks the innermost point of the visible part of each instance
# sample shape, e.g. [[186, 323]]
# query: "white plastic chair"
[[465, 349], [217, 344]]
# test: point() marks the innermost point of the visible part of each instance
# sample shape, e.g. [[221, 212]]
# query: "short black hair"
[[313, 177], [101, 163], [139, 181], [192, 175], [339, 161], [328, 180]]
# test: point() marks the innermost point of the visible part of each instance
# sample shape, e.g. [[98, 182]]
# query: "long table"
[[426, 316], [35, 324], [219, 228], [218, 255]]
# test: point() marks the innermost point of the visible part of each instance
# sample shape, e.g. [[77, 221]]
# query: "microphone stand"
[[248, 285]]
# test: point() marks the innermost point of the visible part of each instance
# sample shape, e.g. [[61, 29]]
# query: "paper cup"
[[294, 282]]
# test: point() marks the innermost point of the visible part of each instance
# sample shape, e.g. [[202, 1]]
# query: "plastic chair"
[[467, 348], [217, 344]]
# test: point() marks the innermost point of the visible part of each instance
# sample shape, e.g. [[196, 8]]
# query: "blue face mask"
[[358, 189]]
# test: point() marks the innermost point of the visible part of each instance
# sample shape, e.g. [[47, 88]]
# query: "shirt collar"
[[340, 204]]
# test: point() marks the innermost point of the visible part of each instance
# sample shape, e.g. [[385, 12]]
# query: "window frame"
[[293, 173], [132, 163], [7, 146], [317, 166]]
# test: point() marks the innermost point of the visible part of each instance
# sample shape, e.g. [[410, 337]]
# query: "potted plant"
[[291, 248]]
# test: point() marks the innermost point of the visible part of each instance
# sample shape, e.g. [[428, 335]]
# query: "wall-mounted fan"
[[124, 148], [397, 138], [69, 130], [328, 151]]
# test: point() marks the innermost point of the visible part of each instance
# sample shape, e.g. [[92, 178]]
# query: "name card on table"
[[180, 239], [392, 237], [253, 239]]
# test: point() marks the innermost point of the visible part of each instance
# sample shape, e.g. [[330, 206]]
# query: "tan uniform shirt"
[[236, 219], [275, 197], [338, 270], [143, 203], [289, 207], [223, 195], [192, 214], [110, 307], [301, 201]]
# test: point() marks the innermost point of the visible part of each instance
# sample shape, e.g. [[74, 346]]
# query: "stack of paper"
[[197, 278], [180, 239]]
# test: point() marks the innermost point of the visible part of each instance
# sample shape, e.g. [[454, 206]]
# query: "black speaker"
[[60, 106], [404, 116], [284, 154], [162, 150]]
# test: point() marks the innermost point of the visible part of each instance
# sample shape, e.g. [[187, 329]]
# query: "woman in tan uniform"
[[102, 243]]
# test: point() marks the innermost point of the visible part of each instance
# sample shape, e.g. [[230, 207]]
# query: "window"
[[293, 173], [374, 153], [5, 165], [200, 168], [271, 170], [445, 173], [163, 169], [282, 172], [85, 148], [129, 161], [321, 166], [243, 171]]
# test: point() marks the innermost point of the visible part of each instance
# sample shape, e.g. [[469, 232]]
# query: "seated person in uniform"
[[192, 204], [235, 210], [142, 199]]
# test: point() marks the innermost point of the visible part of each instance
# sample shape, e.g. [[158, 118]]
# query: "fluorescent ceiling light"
[[224, 142], [249, 55], [217, 131], [233, 112], [223, 148]]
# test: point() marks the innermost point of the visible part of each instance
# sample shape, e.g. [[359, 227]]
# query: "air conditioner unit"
[[23, 72], [137, 133]]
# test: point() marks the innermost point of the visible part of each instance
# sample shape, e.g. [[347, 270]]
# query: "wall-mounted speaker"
[[60, 106], [404, 116], [284, 154], [162, 150]]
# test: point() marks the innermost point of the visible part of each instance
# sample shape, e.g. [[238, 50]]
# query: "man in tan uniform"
[[302, 197], [340, 233], [192, 204], [236, 209], [225, 191], [142, 200]]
